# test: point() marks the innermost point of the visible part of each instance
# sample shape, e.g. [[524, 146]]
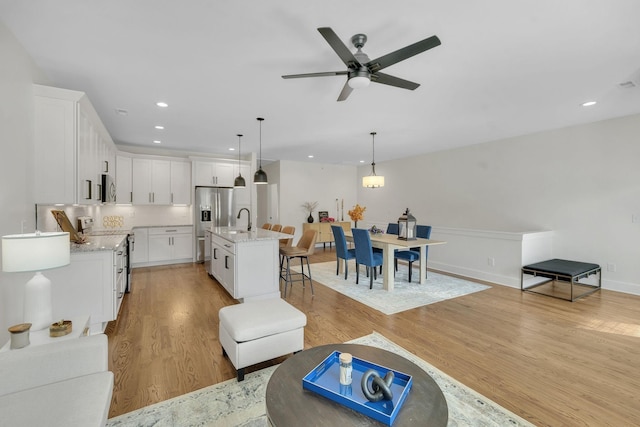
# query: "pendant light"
[[239, 182], [260, 177], [373, 180]]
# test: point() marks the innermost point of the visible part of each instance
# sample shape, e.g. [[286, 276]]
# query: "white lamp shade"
[[35, 251], [373, 181]]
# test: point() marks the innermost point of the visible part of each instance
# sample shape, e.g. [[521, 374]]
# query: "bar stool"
[[305, 247], [276, 227], [266, 226]]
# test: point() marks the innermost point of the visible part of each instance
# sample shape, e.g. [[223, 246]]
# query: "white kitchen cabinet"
[[213, 173], [170, 244], [124, 191], [151, 181], [247, 269], [68, 136], [180, 183], [140, 246], [93, 282]]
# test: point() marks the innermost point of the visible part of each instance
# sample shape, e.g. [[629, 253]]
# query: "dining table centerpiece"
[[357, 213]]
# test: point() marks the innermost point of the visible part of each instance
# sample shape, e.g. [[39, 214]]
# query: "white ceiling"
[[505, 68]]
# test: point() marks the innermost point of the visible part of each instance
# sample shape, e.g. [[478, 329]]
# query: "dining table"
[[389, 243]]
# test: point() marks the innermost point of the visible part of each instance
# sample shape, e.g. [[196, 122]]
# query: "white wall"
[[17, 74], [581, 182], [300, 182]]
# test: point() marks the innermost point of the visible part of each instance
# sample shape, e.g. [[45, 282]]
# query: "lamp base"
[[37, 302]]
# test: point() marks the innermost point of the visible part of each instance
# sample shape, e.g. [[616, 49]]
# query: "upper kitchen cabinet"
[[180, 182], [158, 181], [151, 181], [124, 190], [213, 173], [72, 147]]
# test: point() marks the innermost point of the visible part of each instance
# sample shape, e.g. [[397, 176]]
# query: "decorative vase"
[[310, 219], [356, 226]]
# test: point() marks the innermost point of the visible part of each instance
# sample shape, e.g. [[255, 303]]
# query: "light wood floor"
[[553, 362]]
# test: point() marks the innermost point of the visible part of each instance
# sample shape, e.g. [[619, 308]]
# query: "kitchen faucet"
[[248, 215]]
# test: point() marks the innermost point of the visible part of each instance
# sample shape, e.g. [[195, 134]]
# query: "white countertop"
[[99, 243], [240, 235]]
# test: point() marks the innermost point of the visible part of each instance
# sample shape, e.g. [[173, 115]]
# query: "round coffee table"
[[288, 404]]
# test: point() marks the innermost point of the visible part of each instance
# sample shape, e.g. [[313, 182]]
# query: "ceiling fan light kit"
[[361, 70], [260, 177], [373, 180], [239, 181]]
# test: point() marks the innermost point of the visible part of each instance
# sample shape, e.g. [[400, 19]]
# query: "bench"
[[260, 330], [563, 271]]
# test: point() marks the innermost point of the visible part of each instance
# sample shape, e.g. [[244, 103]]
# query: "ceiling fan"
[[361, 70]]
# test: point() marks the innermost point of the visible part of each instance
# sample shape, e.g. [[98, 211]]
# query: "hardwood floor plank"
[[550, 361]]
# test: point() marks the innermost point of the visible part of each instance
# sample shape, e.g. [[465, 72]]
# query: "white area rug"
[[243, 404], [404, 296]]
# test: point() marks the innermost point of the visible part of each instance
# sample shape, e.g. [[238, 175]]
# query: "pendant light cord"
[[260, 119], [239, 150], [373, 155]]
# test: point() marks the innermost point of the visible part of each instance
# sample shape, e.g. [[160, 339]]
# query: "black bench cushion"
[[562, 266]]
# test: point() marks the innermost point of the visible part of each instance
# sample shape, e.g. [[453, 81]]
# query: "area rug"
[[405, 295], [243, 404]]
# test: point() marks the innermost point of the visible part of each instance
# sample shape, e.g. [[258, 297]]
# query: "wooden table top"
[[288, 404]]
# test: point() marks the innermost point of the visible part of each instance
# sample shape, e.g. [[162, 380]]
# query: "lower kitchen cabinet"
[[246, 269], [94, 282], [162, 245]]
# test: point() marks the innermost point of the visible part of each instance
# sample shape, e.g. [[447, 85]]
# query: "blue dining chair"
[[342, 252], [365, 254], [423, 232], [410, 256]]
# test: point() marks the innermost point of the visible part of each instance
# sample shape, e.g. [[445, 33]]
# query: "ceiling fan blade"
[[386, 79], [324, 74], [402, 54], [336, 44], [346, 91]]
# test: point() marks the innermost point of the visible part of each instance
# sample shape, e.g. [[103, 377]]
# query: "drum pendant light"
[[260, 177], [239, 182], [373, 180]]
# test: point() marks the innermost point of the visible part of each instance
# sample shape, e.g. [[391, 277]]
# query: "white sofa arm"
[[44, 364]]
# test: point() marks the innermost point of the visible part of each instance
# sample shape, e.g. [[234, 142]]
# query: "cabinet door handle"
[[171, 197], [149, 197], [106, 166], [88, 189], [153, 195], [170, 231], [226, 262], [99, 196], [215, 253], [120, 270], [119, 252], [130, 196]]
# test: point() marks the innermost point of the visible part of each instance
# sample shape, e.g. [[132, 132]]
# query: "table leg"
[[423, 264], [387, 267]]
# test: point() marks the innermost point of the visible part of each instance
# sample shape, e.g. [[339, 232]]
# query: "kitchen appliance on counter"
[[213, 207]]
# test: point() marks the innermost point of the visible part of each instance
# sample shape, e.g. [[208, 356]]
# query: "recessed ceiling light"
[[589, 103], [310, 156], [162, 104], [232, 149], [160, 127], [156, 141], [361, 161]]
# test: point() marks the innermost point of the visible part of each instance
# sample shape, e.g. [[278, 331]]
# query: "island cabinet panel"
[[248, 269]]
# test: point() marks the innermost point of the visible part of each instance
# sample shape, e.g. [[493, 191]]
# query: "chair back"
[[392, 228], [287, 229], [308, 241], [364, 250], [340, 241], [423, 232], [276, 227], [266, 226]]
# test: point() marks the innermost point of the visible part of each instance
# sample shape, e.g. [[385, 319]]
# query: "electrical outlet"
[[491, 261], [611, 267]]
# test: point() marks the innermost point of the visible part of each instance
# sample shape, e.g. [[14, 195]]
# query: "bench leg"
[[240, 374]]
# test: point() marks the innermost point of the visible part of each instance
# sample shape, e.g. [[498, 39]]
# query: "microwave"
[[108, 189]]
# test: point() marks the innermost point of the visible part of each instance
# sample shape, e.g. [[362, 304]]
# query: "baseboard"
[[513, 282]]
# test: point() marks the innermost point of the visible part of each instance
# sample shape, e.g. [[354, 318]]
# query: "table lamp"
[[36, 252]]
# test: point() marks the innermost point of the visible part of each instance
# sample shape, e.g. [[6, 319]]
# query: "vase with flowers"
[[310, 207], [356, 214]]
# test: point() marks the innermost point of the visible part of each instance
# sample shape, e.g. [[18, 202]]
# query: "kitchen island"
[[246, 263]]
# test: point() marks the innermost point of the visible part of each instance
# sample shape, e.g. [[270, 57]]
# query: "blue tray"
[[324, 379]]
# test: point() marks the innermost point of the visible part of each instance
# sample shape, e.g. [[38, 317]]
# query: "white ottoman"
[[261, 330]]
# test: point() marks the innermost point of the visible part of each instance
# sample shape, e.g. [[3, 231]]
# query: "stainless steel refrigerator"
[[213, 208]]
